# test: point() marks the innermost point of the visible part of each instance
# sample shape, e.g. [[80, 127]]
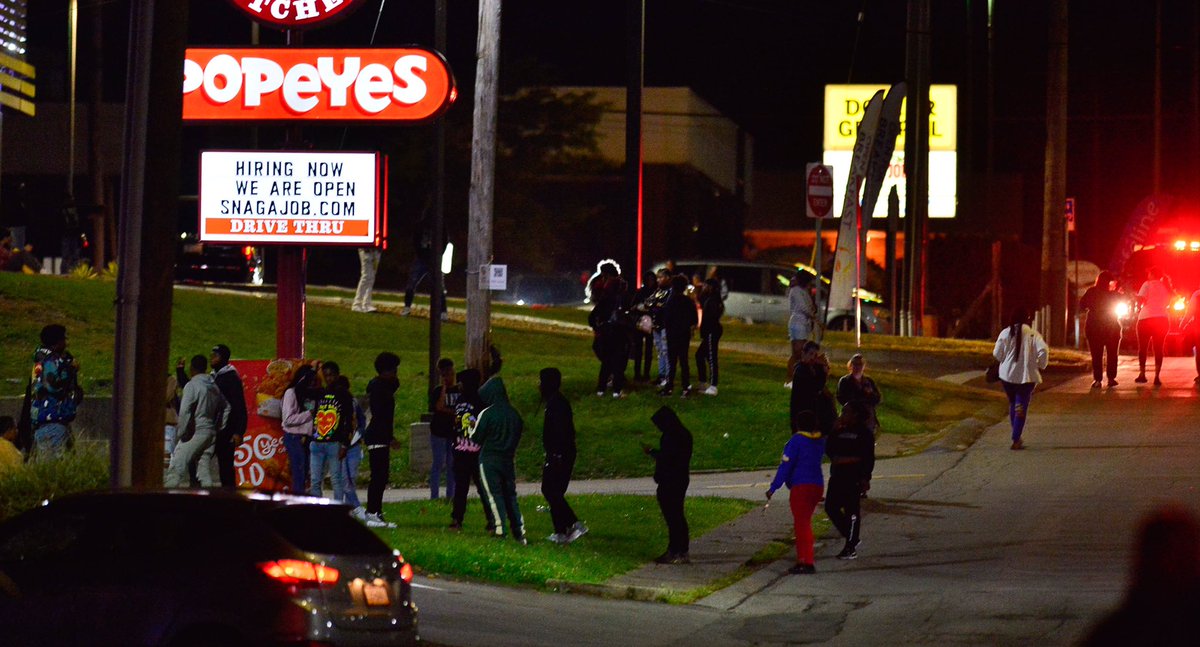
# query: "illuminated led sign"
[[296, 14], [398, 85], [844, 107], [17, 77], [303, 198]]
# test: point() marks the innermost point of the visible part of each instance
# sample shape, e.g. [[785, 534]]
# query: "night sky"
[[764, 64]]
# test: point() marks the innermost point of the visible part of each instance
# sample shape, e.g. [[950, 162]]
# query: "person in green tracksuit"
[[498, 431]]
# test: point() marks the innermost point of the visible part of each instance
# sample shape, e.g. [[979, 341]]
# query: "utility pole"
[[99, 208], [483, 166], [635, 38], [916, 158], [1157, 163], [1054, 257], [150, 193], [291, 299], [437, 298], [72, 49]]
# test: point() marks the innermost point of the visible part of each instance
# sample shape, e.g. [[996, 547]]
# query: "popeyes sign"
[[409, 84], [296, 14]]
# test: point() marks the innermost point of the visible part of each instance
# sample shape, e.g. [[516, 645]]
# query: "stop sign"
[[819, 190]]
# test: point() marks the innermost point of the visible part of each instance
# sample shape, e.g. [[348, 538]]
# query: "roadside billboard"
[[845, 106], [297, 198], [409, 84]]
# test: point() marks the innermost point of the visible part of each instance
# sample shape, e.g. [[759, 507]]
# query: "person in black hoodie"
[[609, 323], [558, 439], [851, 451], [229, 437], [466, 451], [671, 472], [711, 309], [679, 319], [381, 401], [809, 389]]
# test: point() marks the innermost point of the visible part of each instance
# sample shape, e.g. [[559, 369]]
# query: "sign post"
[[818, 205]]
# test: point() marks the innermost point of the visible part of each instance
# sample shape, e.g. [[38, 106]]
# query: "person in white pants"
[[202, 411], [368, 260]]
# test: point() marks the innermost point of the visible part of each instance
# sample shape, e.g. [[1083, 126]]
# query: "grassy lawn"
[[744, 427], [626, 532]]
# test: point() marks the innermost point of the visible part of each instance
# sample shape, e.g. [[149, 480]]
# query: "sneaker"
[[848, 553], [802, 569], [711, 390], [359, 513], [577, 530], [375, 520], [1112, 383], [687, 391], [665, 391], [455, 526], [1018, 444], [521, 540], [787, 385], [599, 394], [665, 558], [357, 309], [557, 538], [619, 395], [681, 558], [369, 309], [1096, 384], [445, 316], [1140, 379], [406, 311], [1157, 382]]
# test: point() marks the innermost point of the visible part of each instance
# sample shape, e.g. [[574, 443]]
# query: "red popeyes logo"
[[410, 84], [296, 14]]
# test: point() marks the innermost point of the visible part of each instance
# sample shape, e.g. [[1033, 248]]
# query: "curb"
[[608, 591]]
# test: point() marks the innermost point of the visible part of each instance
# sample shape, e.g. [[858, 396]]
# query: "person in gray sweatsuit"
[[202, 411]]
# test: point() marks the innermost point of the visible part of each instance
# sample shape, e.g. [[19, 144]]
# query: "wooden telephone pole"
[[483, 181], [1054, 230]]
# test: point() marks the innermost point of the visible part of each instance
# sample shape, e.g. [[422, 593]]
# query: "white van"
[[757, 293]]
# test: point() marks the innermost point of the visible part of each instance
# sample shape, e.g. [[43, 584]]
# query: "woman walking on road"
[[1023, 355], [1103, 328], [1154, 297], [800, 473]]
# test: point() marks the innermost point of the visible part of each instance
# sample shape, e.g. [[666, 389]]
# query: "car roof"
[[193, 497], [728, 263]]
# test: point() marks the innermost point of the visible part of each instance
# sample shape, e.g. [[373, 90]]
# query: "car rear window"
[[328, 530]]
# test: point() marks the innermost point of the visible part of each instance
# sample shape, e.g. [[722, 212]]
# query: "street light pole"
[[72, 48]]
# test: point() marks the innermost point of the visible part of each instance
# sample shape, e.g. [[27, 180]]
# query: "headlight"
[[1122, 310]]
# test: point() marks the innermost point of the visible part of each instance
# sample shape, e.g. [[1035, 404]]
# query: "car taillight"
[[295, 571], [406, 570]]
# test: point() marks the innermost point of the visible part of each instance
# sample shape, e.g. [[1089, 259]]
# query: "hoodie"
[[673, 458], [498, 427], [381, 400], [203, 409], [230, 384], [54, 388]]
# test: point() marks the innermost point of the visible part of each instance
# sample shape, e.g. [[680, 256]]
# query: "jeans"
[[297, 455], [380, 459], [322, 459], [1019, 396], [354, 456], [368, 261], [660, 343], [191, 456], [51, 439], [443, 461]]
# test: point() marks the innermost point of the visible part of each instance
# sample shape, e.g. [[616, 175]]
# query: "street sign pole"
[[818, 204], [290, 294]]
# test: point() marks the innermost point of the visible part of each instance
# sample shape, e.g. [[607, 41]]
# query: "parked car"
[[209, 263], [757, 292], [200, 568], [539, 290]]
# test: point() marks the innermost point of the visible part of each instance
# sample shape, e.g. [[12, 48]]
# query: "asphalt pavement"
[[978, 546]]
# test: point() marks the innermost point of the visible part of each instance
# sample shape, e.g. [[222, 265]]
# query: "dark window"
[[328, 530], [742, 279], [40, 535]]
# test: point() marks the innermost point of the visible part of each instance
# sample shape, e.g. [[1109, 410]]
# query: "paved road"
[[987, 546]]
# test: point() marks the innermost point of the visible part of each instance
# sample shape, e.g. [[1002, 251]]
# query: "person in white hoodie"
[[1023, 355], [202, 412]]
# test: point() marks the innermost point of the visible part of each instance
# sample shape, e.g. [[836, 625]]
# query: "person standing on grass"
[[296, 419], [610, 329], [712, 307], [1154, 297], [466, 451], [679, 320], [851, 450], [53, 395], [442, 399], [368, 264], [498, 431], [203, 411], [809, 390], [558, 440], [642, 340], [332, 425], [230, 435], [672, 468], [800, 472], [354, 455], [802, 320], [381, 401], [857, 387], [1103, 327], [1023, 355]]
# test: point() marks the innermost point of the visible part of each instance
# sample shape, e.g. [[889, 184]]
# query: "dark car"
[[200, 568], [209, 263]]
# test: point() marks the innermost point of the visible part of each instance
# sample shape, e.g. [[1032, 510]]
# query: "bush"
[[85, 468]]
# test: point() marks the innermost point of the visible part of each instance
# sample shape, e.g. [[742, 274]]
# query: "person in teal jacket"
[[498, 431]]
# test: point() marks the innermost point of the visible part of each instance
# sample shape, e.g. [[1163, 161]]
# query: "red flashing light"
[[295, 571], [406, 572]]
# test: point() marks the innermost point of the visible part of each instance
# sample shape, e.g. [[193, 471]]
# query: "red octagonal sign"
[[297, 14]]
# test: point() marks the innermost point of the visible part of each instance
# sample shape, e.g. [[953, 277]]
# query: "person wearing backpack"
[[53, 395]]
